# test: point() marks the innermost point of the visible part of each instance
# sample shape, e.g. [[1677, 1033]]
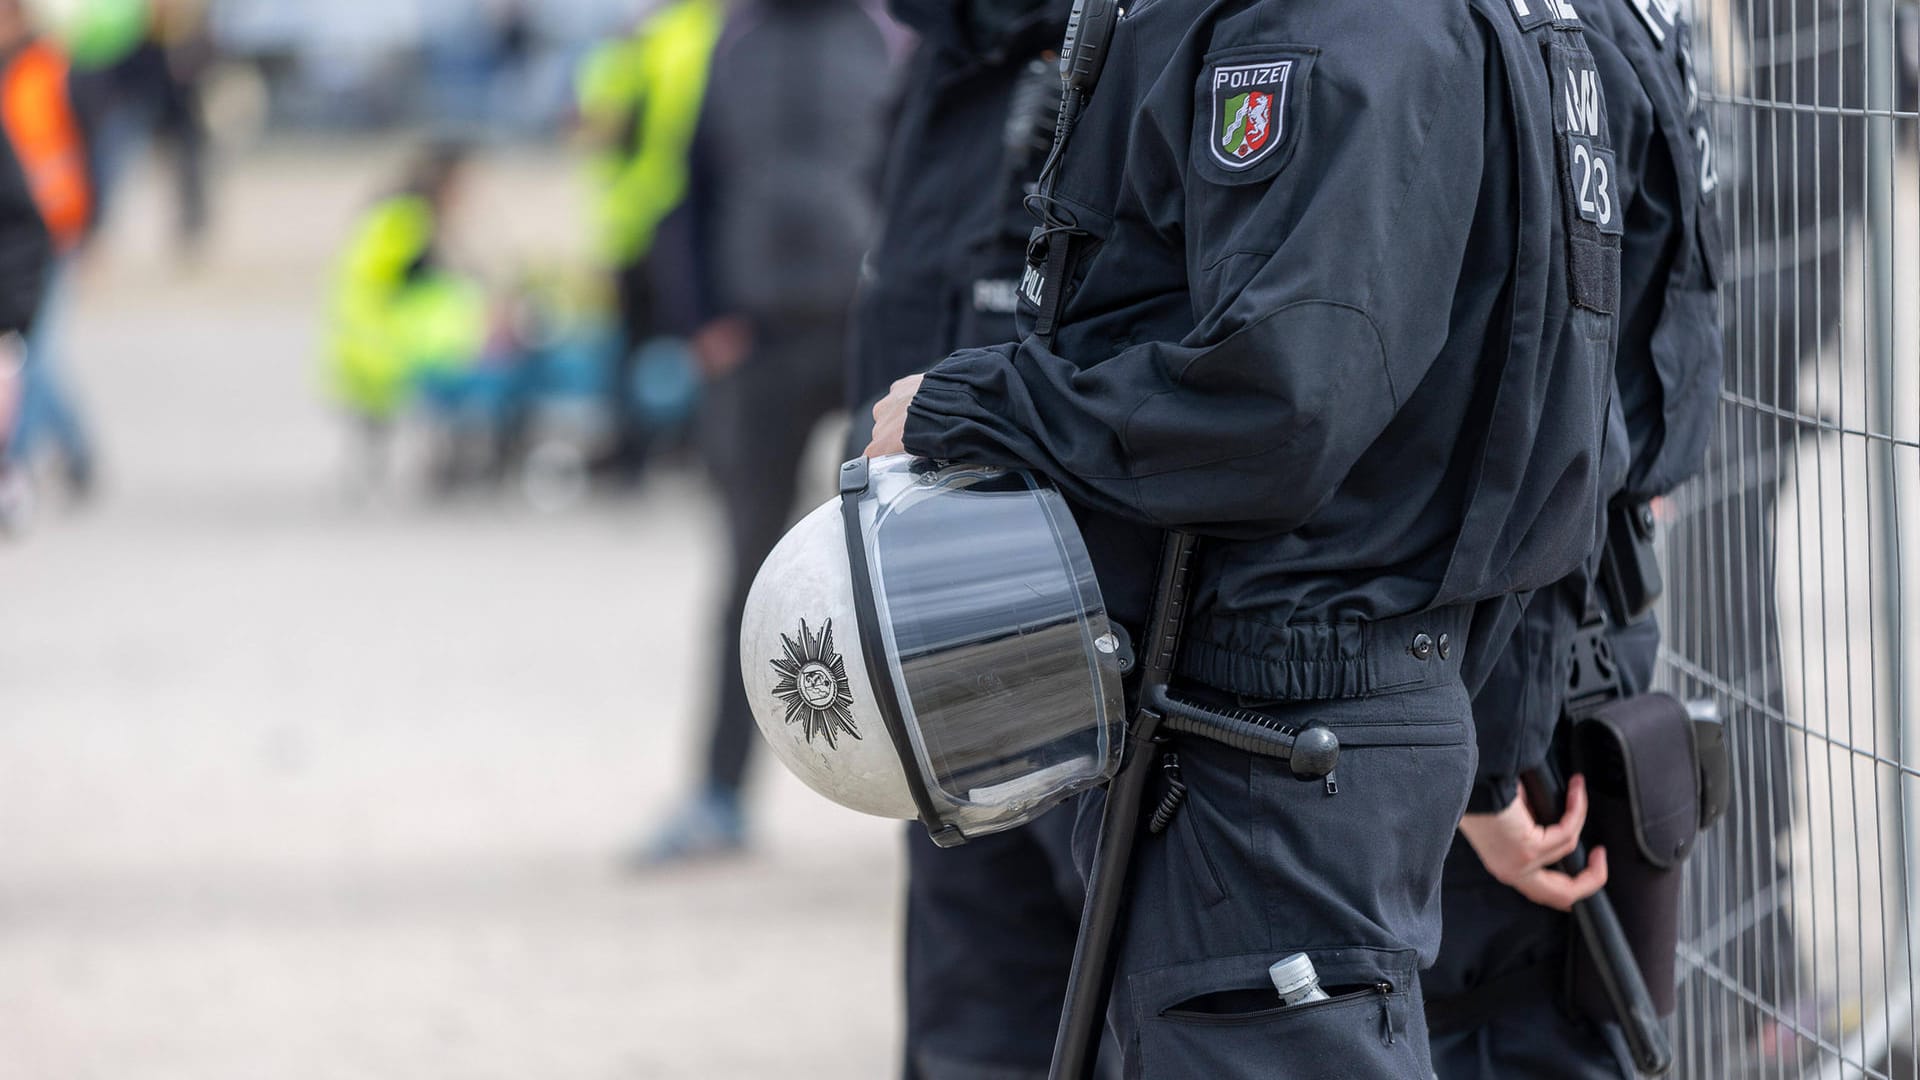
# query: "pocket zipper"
[[1384, 989]]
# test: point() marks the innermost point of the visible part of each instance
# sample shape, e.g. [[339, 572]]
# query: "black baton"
[[1606, 942], [1083, 1018], [1312, 752]]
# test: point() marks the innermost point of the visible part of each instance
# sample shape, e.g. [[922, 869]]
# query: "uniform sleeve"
[[1671, 345], [1516, 706], [1323, 289]]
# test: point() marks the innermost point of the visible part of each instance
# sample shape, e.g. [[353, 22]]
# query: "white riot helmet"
[[932, 644]]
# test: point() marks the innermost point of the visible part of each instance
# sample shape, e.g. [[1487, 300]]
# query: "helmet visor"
[[1005, 666]]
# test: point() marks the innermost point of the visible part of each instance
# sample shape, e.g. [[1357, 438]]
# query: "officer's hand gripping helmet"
[[932, 644]]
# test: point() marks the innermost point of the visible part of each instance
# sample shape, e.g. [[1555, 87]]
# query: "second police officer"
[[1497, 997], [989, 924], [1332, 285]]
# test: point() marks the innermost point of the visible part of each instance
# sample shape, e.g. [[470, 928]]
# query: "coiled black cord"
[[1246, 731], [1175, 795]]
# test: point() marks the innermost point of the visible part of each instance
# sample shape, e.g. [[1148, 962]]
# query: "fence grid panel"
[[1786, 610]]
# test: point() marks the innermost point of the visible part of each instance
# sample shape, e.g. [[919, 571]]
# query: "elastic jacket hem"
[[1348, 659]]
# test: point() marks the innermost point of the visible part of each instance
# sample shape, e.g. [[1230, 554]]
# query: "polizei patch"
[[1249, 110]]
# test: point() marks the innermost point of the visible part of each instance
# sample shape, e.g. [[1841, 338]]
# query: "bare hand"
[[890, 418], [1520, 852], [722, 345]]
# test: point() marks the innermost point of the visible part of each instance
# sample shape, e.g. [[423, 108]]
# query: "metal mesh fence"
[[1788, 564]]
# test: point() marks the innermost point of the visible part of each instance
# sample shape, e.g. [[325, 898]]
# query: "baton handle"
[[1310, 751], [1606, 941], [1076, 1045]]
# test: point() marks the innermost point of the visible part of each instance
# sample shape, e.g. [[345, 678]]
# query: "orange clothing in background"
[[38, 114]]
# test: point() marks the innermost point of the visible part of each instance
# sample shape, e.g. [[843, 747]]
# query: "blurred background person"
[[12, 358], [26, 253], [137, 79], [111, 80], [181, 42], [43, 126], [139, 66], [639, 101], [783, 209], [401, 314]]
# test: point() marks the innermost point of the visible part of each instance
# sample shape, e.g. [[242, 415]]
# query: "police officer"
[[989, 924], [1318, 282], [1494, 997]]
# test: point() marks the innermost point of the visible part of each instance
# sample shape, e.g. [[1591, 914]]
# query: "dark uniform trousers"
[[1258, 864], [1509, 955], [990, 935], [757, 420]]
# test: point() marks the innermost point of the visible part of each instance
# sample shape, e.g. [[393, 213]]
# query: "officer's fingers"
[[1596, 862], [1588, 881], [1557, 844], [1551, 888], [1557, 841], [889, 435], [1576, 812]]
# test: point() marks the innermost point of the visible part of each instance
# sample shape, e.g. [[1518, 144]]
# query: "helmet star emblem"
[[813, 683]]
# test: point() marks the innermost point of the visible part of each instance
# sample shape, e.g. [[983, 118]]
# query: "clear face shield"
[[988, 643]]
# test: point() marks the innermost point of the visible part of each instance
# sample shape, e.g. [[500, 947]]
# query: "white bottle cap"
[[1294, 977]]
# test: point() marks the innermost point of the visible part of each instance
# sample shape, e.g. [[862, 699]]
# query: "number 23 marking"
[[1596, 184]]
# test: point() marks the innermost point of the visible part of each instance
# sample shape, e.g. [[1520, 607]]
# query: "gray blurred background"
[[306, 777]]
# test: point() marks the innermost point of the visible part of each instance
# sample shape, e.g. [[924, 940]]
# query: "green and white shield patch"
[[1249, 110]]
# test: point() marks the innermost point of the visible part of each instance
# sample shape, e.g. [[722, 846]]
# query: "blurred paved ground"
[[291, 789]]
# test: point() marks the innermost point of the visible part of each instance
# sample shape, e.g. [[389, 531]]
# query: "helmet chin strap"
[[854, 478]]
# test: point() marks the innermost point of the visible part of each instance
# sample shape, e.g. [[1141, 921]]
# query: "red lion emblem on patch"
[[1250, 125]]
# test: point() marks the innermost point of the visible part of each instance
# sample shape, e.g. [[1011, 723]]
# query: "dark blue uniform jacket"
[[1327, 304], [1668, 368], [943, 271]]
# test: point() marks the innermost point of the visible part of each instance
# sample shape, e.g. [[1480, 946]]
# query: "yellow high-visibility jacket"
[[393, 321], [651, 87]]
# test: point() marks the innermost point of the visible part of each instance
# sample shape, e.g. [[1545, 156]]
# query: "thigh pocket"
[[1363, 856], [1221, 1018]]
